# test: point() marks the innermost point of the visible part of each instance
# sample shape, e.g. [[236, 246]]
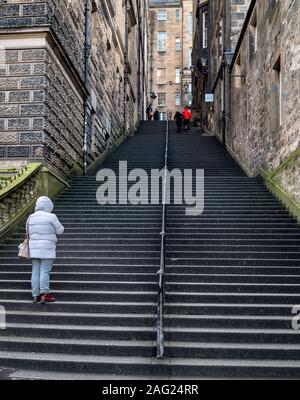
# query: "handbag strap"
[[27, 230]]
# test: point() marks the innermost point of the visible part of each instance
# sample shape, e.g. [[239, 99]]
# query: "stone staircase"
[[232, 279]]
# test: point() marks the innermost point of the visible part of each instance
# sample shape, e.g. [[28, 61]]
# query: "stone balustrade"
[[17, 195]]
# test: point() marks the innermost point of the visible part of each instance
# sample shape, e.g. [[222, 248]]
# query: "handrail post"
[[161, 272]]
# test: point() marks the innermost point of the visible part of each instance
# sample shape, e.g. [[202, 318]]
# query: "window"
[[161, 15], [204, 30], [161, 99], [191, 22], [253, 36], [93, 134], [276, 97], [191, 57], [177, 75], [177, 99], [94, 28], [161, 76], [177, 15], [177, 44], [221, 38], [237, 73], [161, 41], [222, 98], [273, 6], [163, 116]]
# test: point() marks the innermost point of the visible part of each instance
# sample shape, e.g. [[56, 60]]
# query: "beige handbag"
[[24, 247]]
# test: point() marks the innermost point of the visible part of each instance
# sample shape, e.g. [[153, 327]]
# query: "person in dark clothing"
[[156, 116], [149, 112], [178, 118]]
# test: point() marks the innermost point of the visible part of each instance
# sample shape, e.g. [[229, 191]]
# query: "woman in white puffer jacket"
[[43, 228]]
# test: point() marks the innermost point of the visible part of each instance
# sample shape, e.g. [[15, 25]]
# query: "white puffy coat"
[[43, 228]]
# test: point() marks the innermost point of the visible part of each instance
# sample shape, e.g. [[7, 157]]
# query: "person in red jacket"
[[187, 116]]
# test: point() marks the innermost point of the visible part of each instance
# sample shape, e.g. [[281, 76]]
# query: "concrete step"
[[232, 279], [46, 316], [148, 366], [16, 275], [121, 348], [82, 306], [87, 285], [86, 295], [252, 297]]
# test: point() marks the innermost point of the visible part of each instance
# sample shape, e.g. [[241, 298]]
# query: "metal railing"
[[161, 272]]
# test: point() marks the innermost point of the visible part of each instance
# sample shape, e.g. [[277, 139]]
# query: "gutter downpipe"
[[86, 79], [140, 44], [126, 47]]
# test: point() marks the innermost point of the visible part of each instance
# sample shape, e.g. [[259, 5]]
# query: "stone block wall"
[[288, 178], [252, 135], [40, 111], [238, 11], [227, 19], [22, 101], [63, 118], [66, 18], [171, 59], [42, 80]]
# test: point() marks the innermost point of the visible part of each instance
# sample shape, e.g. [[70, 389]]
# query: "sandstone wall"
[[171, 58], [252, 135], [227, 19], [42, 80]]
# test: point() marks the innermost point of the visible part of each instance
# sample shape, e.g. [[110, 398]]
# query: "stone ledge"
[[240, 163], [282, 195], [48, 184], [31, 170]]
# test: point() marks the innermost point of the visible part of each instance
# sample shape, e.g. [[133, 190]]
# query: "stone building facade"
[[171, 33], [221, 23], [264, 128], [227, 18], [46, 82], [200, 61]]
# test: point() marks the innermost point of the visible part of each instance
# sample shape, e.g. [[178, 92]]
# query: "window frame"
[[205, 29], [177, 75], [159, 96], [163, 116], [253, 36], [177, 43], [191, 22], [161, 47], [190, 57], [161, 79], [162, 12]]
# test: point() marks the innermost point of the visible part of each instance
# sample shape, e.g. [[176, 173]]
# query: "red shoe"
[[47, 298], [36, 299]]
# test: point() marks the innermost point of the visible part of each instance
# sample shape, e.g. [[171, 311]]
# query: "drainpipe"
[[182, 55], [86, 78], [139, 61], [223, 83], [126, 67], [145, 84]]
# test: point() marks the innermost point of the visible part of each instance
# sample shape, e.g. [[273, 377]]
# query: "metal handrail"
[[161, 272]]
